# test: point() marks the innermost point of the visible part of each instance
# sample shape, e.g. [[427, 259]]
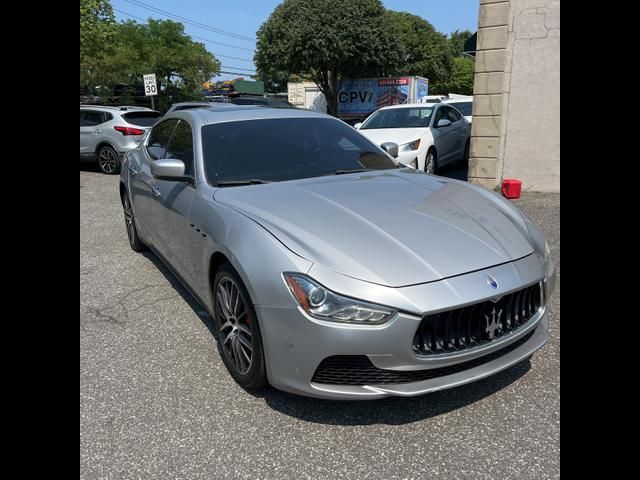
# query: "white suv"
[[106, 133]]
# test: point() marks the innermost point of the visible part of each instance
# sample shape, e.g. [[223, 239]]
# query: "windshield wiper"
[[248, 181], [355, 170]]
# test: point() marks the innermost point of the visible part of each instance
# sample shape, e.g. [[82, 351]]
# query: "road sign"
[[150, 87]]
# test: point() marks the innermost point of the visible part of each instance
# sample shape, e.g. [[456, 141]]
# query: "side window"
[[159, 138], [440, 114], [91, 118], [453, 115], [107, 116], [181, 146]]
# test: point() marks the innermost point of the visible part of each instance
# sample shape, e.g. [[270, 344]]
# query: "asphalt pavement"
[[156, 402]]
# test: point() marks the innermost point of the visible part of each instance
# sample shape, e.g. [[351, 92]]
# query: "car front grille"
[[477, 324], [358, 369]]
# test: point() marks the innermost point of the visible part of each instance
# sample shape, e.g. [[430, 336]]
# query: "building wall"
[[516, 113]]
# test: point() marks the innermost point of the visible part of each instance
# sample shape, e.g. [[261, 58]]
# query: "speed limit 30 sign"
[[150, 87]]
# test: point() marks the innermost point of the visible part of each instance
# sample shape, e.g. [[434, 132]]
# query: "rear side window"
[[142, 119], [91, 118], [159, 138], [181, 146]]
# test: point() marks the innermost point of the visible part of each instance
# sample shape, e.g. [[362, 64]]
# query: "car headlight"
[[321, 303], [407, 147]]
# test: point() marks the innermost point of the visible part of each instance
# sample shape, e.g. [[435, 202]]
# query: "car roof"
[[195, 102], [410, 105], [459, 100], [229, 112], [119, 108]]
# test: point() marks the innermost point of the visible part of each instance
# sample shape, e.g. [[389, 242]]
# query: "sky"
[[228, 28]]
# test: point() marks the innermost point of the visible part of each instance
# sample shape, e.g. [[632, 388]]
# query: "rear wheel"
[[239, 339], [108, 160], [430, 161]]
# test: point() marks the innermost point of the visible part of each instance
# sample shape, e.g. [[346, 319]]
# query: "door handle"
[[154, 191], [97, 132], [133, 171]]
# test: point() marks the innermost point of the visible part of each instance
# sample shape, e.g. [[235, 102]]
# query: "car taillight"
[[129, 130]]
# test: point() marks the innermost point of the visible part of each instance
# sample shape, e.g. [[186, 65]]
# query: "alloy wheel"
[[108, 160], [128, 219], [235, 327], [429, 163]]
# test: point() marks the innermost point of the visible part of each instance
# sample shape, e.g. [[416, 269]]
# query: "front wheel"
[[238, 333], [430, 162], [137, 245]]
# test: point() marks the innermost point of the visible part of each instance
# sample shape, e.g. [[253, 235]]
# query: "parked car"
[[188, 105], [429, 135], [328, 270], [433, 99], [463, 104], [106, 133], [260, 100]]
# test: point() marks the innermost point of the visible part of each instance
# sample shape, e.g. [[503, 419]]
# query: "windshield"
[[464, 108], [399, 118], [280, 149]]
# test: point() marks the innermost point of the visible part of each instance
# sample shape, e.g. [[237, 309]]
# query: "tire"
[[465, 155], [108, 160], [238, 333], [431, 166], [136, 244]]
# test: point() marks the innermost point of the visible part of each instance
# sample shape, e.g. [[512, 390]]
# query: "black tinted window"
[[464, 107], [181, 146], [91, 118], [159, 138], [142, 119], [286, 148]]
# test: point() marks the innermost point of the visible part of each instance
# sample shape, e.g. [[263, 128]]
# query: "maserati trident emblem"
[[491, 281], [493, 322]]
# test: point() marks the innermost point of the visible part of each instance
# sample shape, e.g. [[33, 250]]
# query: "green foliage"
[[326, 41], [161, 47], [423, 50], [457, 39], [461, 77], [97, 28]]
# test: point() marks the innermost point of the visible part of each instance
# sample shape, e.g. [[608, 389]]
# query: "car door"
[[460, 126], [173, 204], [443, 137], [142, 186], [90, 130]]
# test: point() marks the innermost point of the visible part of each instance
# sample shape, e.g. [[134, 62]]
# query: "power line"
[[192, 22], [199, 38]]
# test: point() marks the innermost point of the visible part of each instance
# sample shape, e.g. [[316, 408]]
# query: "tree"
[[461, 78], [181, 65], [424, 51], [97, 31], [326, 41], [456, 41]]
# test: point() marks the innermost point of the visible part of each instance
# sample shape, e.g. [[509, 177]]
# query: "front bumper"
[[295, 344]]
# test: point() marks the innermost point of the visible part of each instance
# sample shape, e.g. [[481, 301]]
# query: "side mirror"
[[169, 169], [443, 122], [391, 148], [357, 125]]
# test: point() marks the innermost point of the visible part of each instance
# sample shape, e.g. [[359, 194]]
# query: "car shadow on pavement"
[[393, 410], [388, 411]]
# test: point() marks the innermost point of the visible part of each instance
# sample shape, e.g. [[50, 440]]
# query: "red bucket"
[[511, 188]]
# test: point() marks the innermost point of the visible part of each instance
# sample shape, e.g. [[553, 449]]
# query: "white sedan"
[[429, 136]]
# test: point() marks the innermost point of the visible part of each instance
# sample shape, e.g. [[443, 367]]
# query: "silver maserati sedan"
[[329, 269]]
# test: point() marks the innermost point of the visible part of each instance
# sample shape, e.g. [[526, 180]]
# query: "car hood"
[[389, 227], [396, 135]]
